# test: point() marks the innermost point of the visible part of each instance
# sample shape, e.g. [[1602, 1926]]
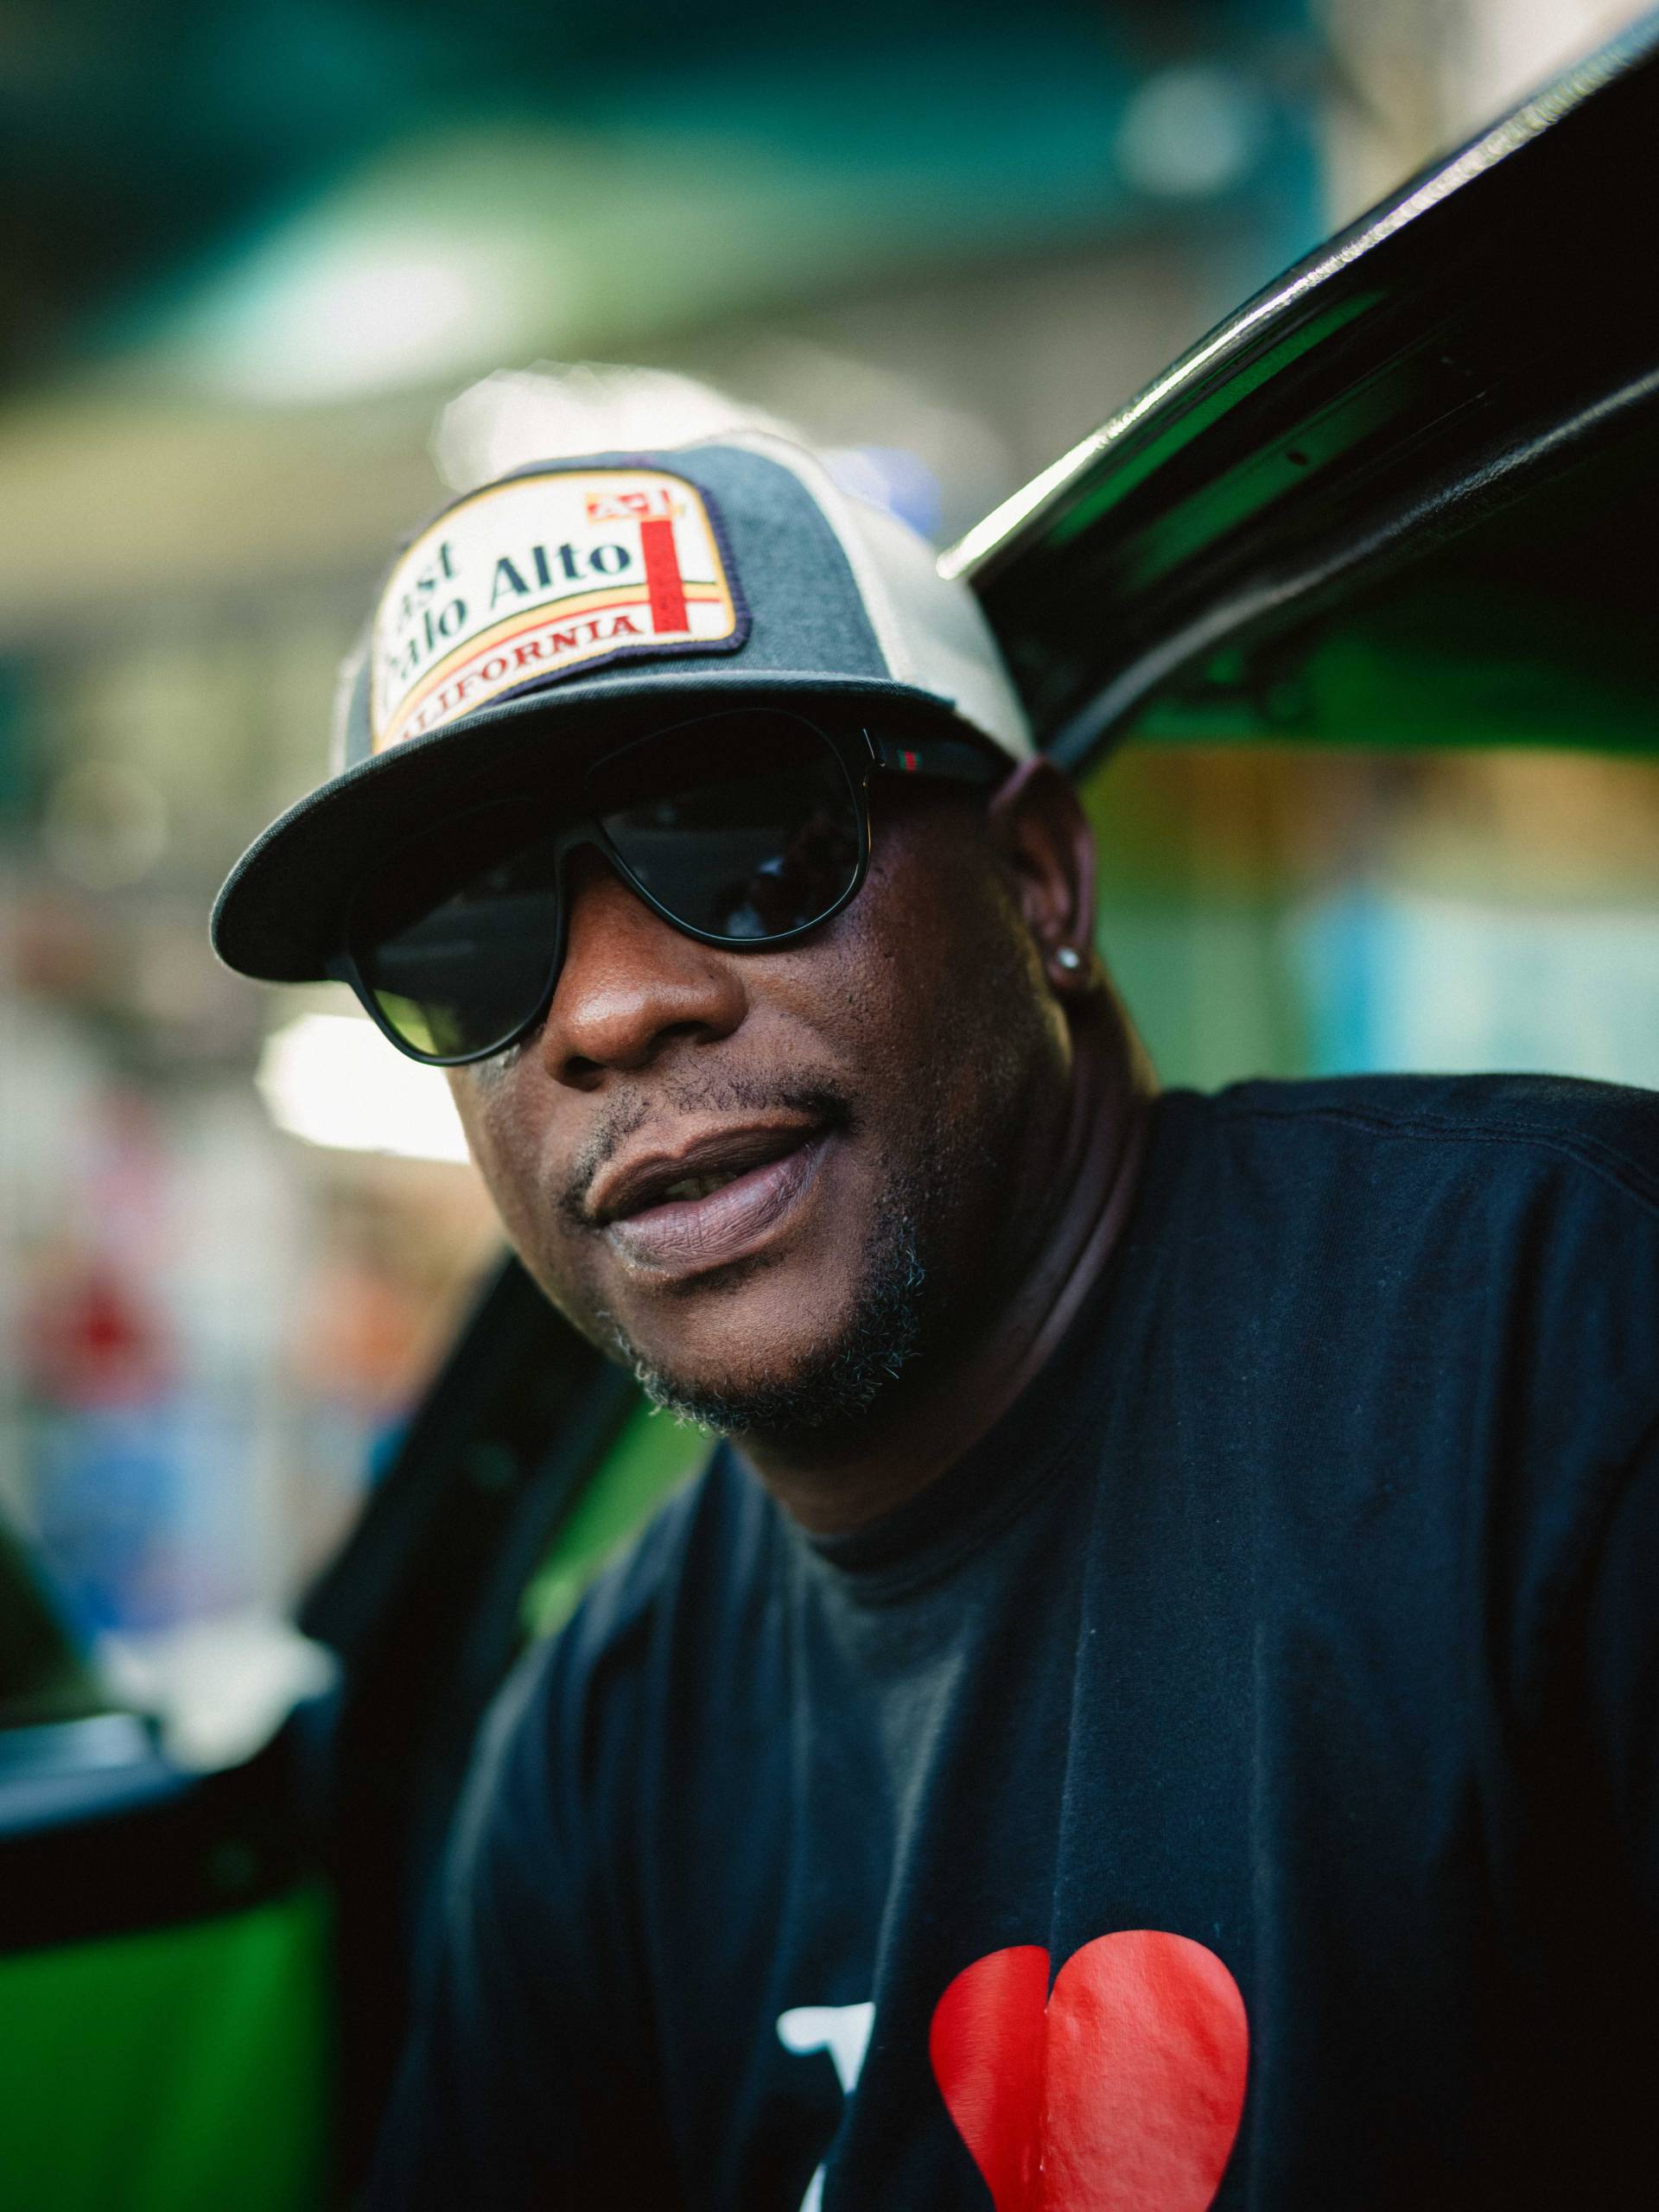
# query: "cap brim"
[[281, 915]]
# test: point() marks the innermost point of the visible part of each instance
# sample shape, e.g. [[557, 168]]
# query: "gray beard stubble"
[[833, 1391], [830, 1392]]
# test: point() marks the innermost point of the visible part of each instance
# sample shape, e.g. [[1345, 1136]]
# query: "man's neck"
[[913, 1436]]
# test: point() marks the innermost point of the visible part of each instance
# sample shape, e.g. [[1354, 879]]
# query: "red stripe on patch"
[[662, 578]]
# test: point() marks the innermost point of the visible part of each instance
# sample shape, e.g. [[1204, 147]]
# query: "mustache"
[[818, 1101]]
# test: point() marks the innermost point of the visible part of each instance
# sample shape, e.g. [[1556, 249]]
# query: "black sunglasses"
[[744, 829]]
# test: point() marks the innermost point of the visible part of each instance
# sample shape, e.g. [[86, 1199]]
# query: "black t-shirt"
[[1234, 1782]]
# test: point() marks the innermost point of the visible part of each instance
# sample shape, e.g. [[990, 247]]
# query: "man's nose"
[[631, 982]]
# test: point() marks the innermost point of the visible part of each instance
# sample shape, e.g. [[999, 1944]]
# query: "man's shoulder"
[[1495, 1123], [570, 1725], [1440, 1289], [691, 1560]]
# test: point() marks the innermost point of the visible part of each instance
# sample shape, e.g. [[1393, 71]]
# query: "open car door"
[[165, 2020], [1402, 496]]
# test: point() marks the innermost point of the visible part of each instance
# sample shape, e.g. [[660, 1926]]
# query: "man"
[[1154, 1704]]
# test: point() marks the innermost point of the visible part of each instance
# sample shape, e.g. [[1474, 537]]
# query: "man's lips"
[[709, 1201]]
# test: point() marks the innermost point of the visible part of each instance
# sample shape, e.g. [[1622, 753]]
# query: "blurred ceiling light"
[[106, 824], [646, 203], [1191, 133], [556, 409], [333, 1079], [344, 315]]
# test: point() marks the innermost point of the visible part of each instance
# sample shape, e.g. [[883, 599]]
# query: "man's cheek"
[[498, 1155], [498, 1137], [559, 1262]]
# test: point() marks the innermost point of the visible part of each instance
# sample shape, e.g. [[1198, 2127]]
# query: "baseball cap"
[[561, 605]]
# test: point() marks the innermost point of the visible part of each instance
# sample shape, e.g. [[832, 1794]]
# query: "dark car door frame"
[[1486, 333]]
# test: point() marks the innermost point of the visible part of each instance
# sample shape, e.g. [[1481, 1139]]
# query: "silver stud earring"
[[1069, 958]]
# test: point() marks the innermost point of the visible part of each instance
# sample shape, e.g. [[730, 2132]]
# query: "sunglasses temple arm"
[[952, 759]]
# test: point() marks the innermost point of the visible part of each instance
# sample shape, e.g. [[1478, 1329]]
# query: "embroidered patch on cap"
[[544, 575]]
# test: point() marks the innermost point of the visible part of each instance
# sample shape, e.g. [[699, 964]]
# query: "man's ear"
[[1043, 836]]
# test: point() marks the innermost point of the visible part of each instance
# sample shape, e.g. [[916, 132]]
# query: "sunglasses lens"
[[455, 942], [744, 826]]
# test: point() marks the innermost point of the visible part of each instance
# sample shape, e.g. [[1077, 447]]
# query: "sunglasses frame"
[[860, 754]]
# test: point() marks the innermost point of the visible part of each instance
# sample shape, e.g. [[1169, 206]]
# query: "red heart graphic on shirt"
[[1118, 2091]]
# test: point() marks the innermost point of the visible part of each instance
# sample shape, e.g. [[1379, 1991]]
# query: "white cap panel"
[[931, 630]]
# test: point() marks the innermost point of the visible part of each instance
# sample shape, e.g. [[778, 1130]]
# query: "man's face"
[[768, 1180]]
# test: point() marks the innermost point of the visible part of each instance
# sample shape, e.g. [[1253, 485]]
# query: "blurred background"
[[277, 278]]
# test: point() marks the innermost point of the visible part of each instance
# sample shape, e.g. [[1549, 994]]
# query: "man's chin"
[[824, 1388]]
